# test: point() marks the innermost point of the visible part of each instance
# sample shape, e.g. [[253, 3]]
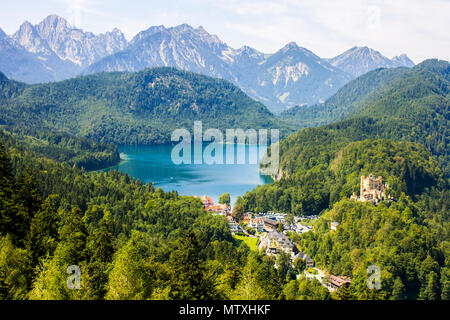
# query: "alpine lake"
[[155, 164]]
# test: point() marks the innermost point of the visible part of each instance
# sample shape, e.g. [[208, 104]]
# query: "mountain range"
[[54, 50], [360, 60]]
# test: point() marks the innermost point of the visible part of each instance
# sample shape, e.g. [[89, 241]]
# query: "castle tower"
[[361, 191]]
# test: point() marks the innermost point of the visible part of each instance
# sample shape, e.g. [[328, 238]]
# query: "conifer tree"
[[432, 287], [346, 292], [13, 217], [398, 290], [43, 236], [192, 279]]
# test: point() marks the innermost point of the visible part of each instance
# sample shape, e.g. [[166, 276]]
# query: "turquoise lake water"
[[154, 164]]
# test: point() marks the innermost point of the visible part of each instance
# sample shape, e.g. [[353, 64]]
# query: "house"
[[246, 217], [309, 262], [303, 256], [300, 228], [279, 241], [272, 250], [336, 282], [280, 217], [257, 224], [218, 208], [209, 205], [234, 227], [207, 201], [270, 224]]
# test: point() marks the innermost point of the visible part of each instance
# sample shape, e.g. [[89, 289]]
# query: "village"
[[269, 231]]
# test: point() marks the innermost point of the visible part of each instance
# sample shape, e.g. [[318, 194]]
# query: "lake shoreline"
[[154, 164]]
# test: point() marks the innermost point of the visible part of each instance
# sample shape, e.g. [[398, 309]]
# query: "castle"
[[372, 189]]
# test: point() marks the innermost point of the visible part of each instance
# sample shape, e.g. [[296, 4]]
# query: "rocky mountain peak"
[[54, 21], [290, 46], [403, 60], [25, 32], [249, 51], [359, 60]]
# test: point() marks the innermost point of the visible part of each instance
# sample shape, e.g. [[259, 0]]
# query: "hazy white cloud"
[[418, 28], [251, 7]]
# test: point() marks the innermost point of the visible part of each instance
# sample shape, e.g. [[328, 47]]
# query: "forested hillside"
[[408, 242], [325, 168], [130, 240], [62, 147], [133, 108], [406, 238], [410, 104], [399, 104]]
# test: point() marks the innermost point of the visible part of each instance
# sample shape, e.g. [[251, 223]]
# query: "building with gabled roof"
[[336, 282]]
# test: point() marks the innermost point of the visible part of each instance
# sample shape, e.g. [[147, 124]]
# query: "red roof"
[[207, 200], [338, 281], [217, 207]]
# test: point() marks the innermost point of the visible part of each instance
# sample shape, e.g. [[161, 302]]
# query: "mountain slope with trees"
[[398, 89], [134, 108], [407, 239], [400, 104]]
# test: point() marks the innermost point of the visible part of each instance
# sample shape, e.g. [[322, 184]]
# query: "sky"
[[415, 27]]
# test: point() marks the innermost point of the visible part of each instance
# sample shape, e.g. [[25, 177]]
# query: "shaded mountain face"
[[402, 61], [54, 50], [182, 47], [29, 38], [17, 63], [291, 76], [73, 44], [360, 60]]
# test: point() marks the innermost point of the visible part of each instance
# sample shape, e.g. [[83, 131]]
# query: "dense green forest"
[[132, 108], [76, 151], [408, 238], [407, 241], [130, 240], [326, 170]]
